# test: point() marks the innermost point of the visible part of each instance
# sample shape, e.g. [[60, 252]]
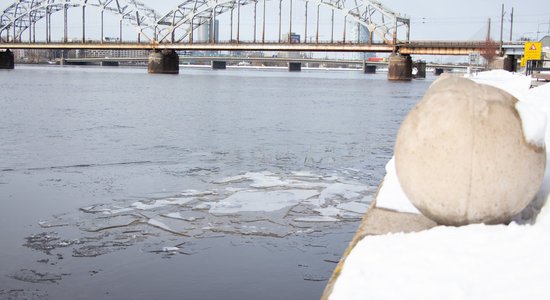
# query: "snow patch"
[[391, 195], [533, 123]]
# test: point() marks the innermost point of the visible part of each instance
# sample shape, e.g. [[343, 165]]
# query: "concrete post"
[[109, 64], [420, 68], [506, 63], [369, 69], [294, 66], [438, 71], [400, 68], [218, 65], [7, 60], [163, 62]]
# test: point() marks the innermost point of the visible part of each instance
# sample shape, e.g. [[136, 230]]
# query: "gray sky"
[[430, 19]]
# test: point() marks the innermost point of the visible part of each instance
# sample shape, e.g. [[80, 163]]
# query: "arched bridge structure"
[[247, 25], [19, 22], [380, 21], [23, 16]]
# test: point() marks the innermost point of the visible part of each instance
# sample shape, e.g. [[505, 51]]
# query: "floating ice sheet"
[[261, 201], [261, 204], [161, 203], [316, 219]]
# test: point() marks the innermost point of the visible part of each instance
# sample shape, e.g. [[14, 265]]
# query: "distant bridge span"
[[411, 48]]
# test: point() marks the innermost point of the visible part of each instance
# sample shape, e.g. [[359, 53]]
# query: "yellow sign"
[[523, 62], [533, 51]]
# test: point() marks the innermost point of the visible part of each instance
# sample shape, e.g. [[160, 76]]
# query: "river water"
[[233, 184]]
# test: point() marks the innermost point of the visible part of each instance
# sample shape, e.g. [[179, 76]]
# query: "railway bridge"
[[220, 25]]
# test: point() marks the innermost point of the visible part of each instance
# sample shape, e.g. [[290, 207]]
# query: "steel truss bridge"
[[27, 24]]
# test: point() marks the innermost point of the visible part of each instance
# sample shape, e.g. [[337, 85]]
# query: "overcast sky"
[[430, 19]]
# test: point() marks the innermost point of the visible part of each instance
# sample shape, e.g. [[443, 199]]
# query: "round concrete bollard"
[[461, 156]]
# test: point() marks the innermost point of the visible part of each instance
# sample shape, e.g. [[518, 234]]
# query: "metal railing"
[[533, 66]]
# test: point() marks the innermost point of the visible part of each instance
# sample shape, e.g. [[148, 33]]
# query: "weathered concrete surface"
[[503, 63], [461, 156], [164, 62], [295, 66], [369, 69], [378, 221], [420, 67], [400, 68], [218, 65], [7, 60]]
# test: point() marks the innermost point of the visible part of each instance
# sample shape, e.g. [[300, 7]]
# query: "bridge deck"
[[414, 47]]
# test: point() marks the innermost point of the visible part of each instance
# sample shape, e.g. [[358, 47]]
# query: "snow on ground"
[[469, 262]]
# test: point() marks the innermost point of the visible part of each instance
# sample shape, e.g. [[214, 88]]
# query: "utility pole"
[[511, 23], [501, 27], [488, 29]]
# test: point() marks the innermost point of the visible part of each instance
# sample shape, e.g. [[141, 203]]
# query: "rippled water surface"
[[234, 184]]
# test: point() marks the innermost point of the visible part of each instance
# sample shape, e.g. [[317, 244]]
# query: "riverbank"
[[399, 254]]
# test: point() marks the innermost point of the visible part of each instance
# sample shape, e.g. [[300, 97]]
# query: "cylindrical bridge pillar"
[[7, 60], [400, 67], [419, 69], [164, 62]]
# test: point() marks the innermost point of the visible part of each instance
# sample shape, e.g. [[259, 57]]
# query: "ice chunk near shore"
[[341, 190], [316, 219], [161, 203], [261, 201], [355, 207]]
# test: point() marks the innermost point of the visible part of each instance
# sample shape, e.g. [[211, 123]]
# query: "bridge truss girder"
[[189, 15], [24, 14]]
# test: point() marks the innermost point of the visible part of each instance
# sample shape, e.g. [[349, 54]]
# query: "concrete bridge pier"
[[507, 63], [400, 67], [7, 60], [294, 66], [438, 71], [419, 68], [369, 69], [109, 64], [218, 65], [164, 62]]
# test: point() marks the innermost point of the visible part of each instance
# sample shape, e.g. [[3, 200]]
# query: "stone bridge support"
[[109, 64], [419, 68], [369, 69], [438, 71], [507, 63], [295, 66], [7, 60], [164, 62], [400, 67], [218, 65]]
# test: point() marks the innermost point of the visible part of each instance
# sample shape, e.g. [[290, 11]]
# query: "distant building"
[[360, 34], [207, 33], [113, 53]]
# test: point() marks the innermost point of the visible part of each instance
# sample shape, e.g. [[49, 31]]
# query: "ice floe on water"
[[266, 201], [250, 204]]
